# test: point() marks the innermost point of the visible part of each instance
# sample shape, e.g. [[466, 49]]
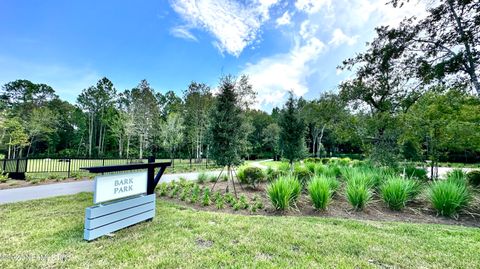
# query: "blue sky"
[[282, 45]]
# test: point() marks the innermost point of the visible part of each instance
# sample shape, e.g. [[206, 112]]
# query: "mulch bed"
[[417, 211]]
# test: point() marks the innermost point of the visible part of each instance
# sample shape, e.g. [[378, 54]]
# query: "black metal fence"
[[73, 165]]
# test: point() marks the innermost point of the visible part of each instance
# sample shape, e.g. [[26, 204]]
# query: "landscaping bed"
[[342, 189], [418, 211]]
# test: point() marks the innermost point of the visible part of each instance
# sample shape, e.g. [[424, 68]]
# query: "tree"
[[441, 123], [225, 132], [42, 122], [271, 137], [292, 130], [146, 115], [97, 102], [445, 44], [172, 133], [16, 136], [321, 114], [198, 102], [22, 96], [383, 87]]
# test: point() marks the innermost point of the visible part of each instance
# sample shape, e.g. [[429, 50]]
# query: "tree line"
[[412, 95]]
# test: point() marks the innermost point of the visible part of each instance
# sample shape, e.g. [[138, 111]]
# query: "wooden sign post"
[[122, 199]]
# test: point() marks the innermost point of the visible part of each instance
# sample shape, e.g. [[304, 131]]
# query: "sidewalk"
[[57, 189]]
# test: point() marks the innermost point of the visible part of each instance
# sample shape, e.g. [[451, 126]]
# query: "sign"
[[113, 187], [136, 189]]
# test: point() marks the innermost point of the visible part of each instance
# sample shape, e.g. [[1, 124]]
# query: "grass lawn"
[[48, 233]]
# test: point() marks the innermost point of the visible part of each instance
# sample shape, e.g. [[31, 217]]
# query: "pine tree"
[[226, 126], [292, 131], [226, 133]]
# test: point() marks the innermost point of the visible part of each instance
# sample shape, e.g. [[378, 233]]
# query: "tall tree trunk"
[[90, 136], [471, 68], [128, 146], [10, 148], [30, 146], [141, 147]]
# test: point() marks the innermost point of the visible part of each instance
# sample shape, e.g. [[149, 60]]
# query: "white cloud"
[[308, 30], [339, 38], [182, 32], [312, 6], [285, 19], [274, 76], [235, 25]]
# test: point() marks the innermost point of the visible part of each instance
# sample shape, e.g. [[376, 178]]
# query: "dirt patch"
[[202, 243], [417, 211]]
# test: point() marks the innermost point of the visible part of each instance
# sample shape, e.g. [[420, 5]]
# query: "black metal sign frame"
[[152, 179]]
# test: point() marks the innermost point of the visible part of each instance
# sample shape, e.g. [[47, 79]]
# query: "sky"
[[281, 45]]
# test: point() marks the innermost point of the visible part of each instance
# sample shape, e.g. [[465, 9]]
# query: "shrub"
[[457, 176], [358, 193], [448, 197], [310, 167], [320, 192], [396, 192], [302, 174], [325, 160], [257, 203], [206, 197], [229, 198], [271, 174], [474, 177], [202, 178], [195, 194], [3, 178], [242, 202], [162, 189], [250, 175], [212, 178], [284, 168], [219, 202], [175, 191], [312, 160], [284, 192], [416, 173], [332, 170]]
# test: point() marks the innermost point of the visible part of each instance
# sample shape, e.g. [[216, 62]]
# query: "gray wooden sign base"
[[104, 219]]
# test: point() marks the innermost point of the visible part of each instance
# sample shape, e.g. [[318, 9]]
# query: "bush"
[[195, 194], [202, 178], [271, 174], [284, 168], [416, 173], [396, 192], [312, 160], [250, 175], [457, 176], [474, 177], [3, 178], [320, 192], [302, 174], [284, 192], [206, 197], [325, 160], [358, 193], [448, 197], [311, 167]]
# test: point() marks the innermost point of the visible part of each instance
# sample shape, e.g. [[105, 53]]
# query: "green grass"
[[36, 234]]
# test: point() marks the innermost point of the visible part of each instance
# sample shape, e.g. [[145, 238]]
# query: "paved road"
[[57, 189]]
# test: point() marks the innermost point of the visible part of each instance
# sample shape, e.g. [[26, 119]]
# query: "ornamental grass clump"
[[448, 197], [457, 176], [202, 178], [397, 191], [320, 190], [284, 192], [358, 191]]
